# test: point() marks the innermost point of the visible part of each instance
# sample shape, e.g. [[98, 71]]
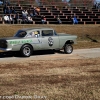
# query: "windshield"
[[20, 33]]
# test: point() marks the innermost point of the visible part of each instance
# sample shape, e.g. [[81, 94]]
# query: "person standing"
[[5, 9]]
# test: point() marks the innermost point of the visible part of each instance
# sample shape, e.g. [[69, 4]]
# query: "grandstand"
[[84, 10]]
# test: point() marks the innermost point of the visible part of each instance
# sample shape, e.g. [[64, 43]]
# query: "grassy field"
[[80, 30], [53, 80]]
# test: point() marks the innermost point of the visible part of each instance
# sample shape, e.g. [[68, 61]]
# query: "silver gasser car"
[[31, 39]]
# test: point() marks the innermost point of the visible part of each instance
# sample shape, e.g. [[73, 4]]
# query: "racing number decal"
[[50, 41]]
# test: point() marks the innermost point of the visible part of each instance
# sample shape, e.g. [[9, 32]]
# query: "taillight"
[[3, 43]]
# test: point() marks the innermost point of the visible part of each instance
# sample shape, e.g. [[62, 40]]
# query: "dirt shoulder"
[[49, 56]]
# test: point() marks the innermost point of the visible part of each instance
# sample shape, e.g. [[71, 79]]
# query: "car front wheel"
[[68, 49], [26, 50]]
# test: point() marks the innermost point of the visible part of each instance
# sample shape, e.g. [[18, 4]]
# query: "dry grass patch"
[[79, 30], [57, 80], [86, 45]]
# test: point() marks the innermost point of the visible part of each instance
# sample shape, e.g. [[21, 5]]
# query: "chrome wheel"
[[26, 50], [68, 48]]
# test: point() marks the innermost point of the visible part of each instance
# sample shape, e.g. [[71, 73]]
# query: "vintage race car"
[[31, 39]]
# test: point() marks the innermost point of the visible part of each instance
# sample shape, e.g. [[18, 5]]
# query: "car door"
[[36, 41], [49, 40]]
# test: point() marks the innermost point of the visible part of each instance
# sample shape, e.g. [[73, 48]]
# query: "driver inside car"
[[37, 34]]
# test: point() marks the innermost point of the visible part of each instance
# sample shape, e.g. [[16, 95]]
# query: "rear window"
[[47, 33]]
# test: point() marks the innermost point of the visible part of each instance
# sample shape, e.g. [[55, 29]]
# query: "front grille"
[[3, 43]]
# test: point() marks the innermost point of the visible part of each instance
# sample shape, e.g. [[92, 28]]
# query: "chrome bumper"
[[5, 50]]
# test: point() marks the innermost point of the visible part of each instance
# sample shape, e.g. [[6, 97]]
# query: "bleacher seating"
[[83, 14]]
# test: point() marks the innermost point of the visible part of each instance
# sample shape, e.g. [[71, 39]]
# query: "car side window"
[[34, 34], [55, 33], [37, 34], [31, 34], [47, 32]]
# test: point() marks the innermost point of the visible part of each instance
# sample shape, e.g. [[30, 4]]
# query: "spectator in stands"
[[18, 20], [5, 9], [8, 10], [97, 4], [6, 19], [12, 9], [29, 19], [75, 21], [58, 19], [1, 3], [25, 20], [35, 13], [37, 9], [38, 2], [24, 13], [29, 10], [31, 14], [7, 2], [24, 16], [43, 19], [11, 19]]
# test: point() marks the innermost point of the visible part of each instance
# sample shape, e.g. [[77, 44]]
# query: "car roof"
[[36, 28]]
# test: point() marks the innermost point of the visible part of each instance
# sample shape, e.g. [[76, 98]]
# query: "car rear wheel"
[[26, 50], [68, 49]]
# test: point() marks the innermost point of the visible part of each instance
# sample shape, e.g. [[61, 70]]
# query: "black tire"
[[68, 49], [26, 50]]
